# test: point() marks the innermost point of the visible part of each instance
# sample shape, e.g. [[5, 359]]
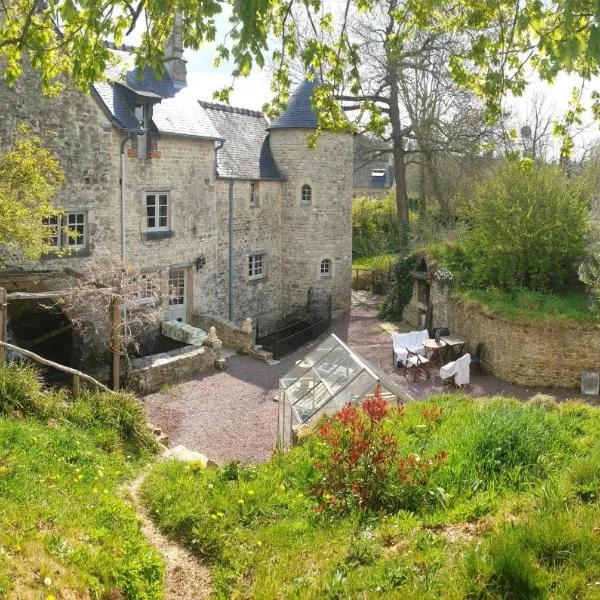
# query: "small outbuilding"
[[326, 379]]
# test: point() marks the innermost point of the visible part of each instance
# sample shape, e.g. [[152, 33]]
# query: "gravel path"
[[230, 415]]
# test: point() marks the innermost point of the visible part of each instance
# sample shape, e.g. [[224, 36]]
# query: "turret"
[[316, 222]]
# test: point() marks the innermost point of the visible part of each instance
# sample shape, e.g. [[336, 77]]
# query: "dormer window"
[[142, 115]]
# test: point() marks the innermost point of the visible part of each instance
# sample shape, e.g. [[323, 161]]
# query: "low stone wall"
[[531, 353], [229, 333], [149, 373]]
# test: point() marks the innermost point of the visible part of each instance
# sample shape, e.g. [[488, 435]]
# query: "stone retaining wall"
[[531, 353], [149, 373], [229, 333]]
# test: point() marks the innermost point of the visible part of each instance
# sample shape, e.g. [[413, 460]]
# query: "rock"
[[182, 332], [185, 455], [247, 326]]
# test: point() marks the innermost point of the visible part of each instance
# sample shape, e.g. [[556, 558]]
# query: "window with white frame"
[[76, 230], [306, 195], [157, 211], [68, 231], [52, 225], [256, 264], [326, 267], [254, 193]]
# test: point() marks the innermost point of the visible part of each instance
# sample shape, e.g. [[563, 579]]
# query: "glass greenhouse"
[[328, 377]]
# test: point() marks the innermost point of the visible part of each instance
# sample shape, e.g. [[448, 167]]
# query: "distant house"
[[373, 167]]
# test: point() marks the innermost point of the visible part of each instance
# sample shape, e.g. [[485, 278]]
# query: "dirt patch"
[[185, 576]]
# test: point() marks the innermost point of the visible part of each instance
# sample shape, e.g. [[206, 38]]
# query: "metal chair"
[[417, 363], [441, 330]]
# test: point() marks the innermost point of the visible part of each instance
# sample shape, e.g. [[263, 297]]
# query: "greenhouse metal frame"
[[326, 379]]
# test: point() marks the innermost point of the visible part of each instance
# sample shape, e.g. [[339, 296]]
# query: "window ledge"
[[71, 253], [150, 236], [261, 279]]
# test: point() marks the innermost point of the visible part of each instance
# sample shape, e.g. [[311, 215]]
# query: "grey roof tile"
[[115, 103], [299, 113], [246, 153], [171, 115], [174, 116]]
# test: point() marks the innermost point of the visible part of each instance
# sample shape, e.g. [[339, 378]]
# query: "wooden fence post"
[[115, 345], [3, 323], [75, 386]]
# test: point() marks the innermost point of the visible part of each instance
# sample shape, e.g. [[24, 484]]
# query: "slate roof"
[[299, 113], [245, 153], [171, 115]]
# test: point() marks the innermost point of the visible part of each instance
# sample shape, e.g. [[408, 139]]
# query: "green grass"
[[513, 513], [379, 261], [528, 305], [65, 528]]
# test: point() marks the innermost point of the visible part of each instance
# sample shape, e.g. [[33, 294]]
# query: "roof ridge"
[[229, 108]]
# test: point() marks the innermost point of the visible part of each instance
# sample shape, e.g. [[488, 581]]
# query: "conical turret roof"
[[299, 113]]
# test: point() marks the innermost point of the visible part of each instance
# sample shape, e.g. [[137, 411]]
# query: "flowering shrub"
[[361, 467], [444, 276]]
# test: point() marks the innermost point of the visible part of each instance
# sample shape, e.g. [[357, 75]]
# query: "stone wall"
[[438, 297], [149, 374], [322, 230], [230, 334], [528, 353], [256, 231]]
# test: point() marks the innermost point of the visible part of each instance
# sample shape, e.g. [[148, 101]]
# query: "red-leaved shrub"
[[361, 467]]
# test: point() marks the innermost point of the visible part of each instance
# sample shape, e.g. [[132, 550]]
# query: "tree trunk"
[[398, 153], [432, 171]]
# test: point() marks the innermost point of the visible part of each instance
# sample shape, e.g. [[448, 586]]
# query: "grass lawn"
[[513, 511], [65, 530], [378, 261], [540, 306]]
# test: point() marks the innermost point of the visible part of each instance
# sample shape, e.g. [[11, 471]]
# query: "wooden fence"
[[77, 375], [370, 279], [115, 325]]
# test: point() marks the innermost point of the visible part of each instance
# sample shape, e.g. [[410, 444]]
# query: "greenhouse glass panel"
[[326, 379]]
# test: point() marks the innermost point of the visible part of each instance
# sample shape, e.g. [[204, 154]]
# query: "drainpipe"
[[127, 138], [231, 249]]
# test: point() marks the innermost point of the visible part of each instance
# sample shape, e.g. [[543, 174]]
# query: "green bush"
[[374, 226], [115, 419], [526, 227]]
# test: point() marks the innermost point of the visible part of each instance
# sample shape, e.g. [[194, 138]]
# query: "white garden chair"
[[459, 369]]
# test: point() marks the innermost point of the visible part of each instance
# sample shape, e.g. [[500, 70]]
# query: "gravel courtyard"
[[231, 415]]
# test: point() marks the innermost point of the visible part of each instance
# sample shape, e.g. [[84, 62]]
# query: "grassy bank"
[[66, 531], [379, 261], [538, 306], [511, 511]]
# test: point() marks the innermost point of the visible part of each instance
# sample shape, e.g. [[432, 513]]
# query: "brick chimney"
[[173, 57]]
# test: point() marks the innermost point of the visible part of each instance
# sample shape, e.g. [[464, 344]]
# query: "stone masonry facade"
[[295, 245]]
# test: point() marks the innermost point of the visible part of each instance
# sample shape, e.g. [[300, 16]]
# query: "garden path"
[[231, 415], [185, 576]]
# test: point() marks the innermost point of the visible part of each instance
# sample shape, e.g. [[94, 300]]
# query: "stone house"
[[240, 218]]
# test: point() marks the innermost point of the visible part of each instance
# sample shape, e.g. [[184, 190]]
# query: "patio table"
[[436, 347], [455, 344]]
